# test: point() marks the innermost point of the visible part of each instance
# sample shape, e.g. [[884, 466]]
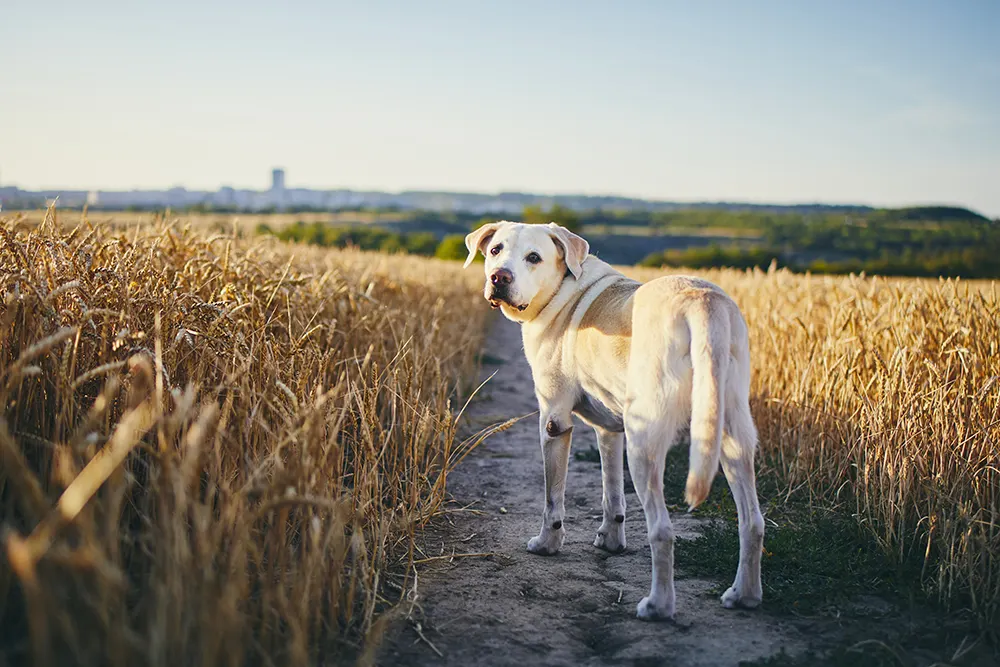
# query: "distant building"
[[277, 188]]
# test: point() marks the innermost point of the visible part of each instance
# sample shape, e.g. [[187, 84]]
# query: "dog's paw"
[[733, 599], [611, 538], [647, 610], [546, 545]]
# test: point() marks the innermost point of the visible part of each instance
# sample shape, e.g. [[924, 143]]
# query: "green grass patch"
[[816, 561]]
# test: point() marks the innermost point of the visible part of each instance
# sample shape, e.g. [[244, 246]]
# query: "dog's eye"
[[533, 258], [495, 250]]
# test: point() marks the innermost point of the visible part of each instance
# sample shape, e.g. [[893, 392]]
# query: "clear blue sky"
[[887, 103]]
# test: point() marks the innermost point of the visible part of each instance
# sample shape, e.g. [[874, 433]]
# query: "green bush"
[[968, 263], [453, 247], [421, 243]]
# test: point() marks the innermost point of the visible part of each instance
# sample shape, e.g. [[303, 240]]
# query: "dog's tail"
[[710, 342]]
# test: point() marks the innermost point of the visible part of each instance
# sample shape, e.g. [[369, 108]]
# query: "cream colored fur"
[[636, 362]]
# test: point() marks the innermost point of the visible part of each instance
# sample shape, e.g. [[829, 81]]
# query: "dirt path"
[[577, 608]]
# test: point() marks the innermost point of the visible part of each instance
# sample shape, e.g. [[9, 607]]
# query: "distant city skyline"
[[279, 196], [768, 102], [267, 187]]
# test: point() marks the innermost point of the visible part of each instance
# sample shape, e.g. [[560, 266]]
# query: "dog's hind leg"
[[649, 432], [611, 534], [739, 443]]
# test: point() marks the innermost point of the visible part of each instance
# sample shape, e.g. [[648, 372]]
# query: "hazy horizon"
[[774, 102]]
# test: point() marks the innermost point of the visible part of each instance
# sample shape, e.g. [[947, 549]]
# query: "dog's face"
[[525, 264]]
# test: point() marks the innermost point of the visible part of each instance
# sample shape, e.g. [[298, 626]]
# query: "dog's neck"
[[568, 304]]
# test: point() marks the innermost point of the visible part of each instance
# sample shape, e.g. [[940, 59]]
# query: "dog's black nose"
[[501, 277]]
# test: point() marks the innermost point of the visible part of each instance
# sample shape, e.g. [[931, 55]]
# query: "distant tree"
[[453, 247], [561, 215], [533, 215], [392, 243], [421, 243]]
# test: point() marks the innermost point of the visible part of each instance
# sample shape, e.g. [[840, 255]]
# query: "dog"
[[634, 361]]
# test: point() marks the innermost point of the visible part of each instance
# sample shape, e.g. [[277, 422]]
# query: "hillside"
[[939, 214]]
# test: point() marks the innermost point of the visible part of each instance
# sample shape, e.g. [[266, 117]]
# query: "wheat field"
[[219, 450]]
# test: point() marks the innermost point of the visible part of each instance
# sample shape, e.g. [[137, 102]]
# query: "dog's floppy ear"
[[575, 248], [476, 240]]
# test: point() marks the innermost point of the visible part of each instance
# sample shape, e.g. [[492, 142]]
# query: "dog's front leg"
[[556, 432]]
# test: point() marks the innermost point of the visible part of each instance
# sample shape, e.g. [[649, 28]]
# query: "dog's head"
[[525, 264]]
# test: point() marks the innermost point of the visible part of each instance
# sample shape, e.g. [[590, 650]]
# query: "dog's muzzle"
[[500, 295]]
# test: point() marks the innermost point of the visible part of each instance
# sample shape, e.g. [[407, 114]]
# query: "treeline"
[[970, 263], [370, 238], [713, 256], [767, 220]]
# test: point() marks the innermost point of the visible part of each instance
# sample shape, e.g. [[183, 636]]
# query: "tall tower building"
[[276, 196], [277, 180]]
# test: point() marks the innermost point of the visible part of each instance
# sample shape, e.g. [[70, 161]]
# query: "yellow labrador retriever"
[[635, 361]]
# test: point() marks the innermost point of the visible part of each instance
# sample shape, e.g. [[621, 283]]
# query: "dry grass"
[[882, 396], [215, 452]]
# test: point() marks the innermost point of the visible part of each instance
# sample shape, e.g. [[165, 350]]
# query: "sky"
[[885, 103]]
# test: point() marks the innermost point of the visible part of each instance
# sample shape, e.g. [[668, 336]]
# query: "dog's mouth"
[[500, 296], [496, 303]]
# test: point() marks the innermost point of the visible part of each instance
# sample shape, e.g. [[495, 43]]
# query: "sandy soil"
[[578, 607]]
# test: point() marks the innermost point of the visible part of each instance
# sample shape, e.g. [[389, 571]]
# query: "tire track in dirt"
[[575, 608]]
